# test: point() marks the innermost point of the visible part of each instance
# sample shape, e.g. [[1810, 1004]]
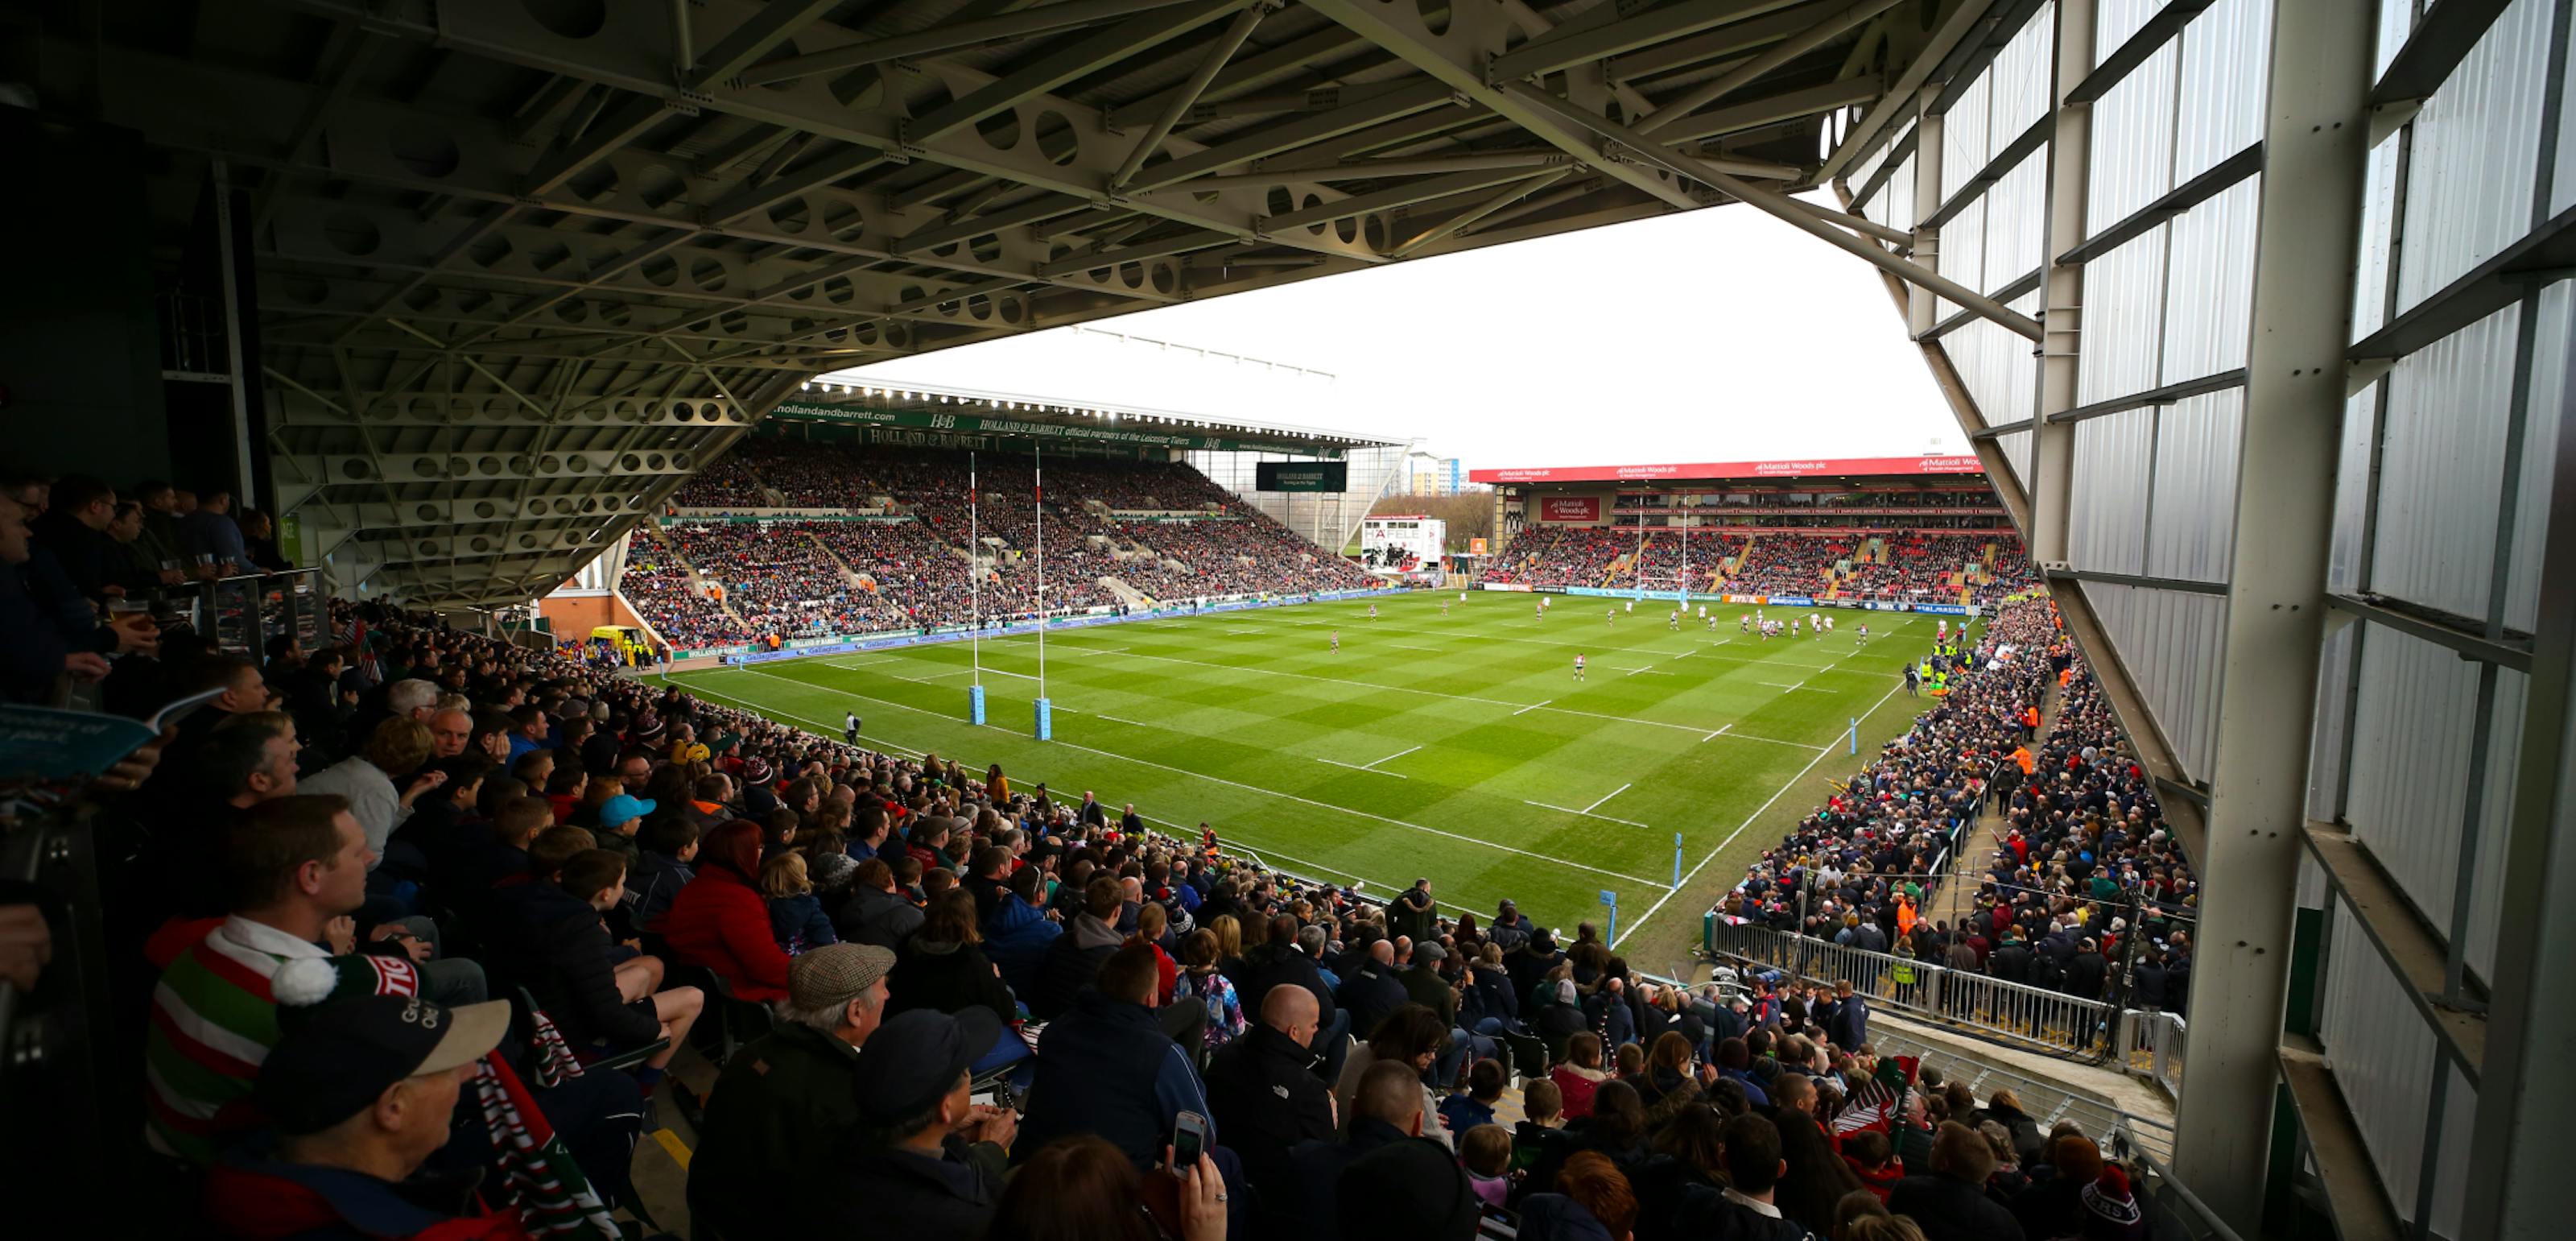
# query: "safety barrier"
[[2009, 1011]]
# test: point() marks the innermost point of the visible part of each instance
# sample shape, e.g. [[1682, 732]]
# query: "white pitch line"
[[1000, 673], [1392, 757], [1607, 796], [1356, 767], [1249, 788], [1585, 813], [1402, 647], [1122, 720], [1758, 812], [1533, 707]]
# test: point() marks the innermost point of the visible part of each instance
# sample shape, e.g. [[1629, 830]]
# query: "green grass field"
[[1456, 747]]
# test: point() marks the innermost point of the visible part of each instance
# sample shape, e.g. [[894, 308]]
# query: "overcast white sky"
[[1715, 335]]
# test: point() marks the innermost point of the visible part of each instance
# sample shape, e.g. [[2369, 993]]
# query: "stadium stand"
[[684, 884], [1162, 529]]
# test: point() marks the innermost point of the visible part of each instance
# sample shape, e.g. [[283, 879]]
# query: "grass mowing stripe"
[[1249, 788]]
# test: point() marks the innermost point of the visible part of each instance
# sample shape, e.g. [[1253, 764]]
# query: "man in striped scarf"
[[1879, 1097]]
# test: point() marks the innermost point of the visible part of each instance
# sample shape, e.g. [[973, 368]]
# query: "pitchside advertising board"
[[1782, 601], [1301, 476]]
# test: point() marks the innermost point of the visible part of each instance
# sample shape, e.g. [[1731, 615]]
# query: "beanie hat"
[[2108, 1206]]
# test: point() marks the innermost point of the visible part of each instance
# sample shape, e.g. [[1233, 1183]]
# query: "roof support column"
[[1919, 302], [2051, 470], [2307, 236]]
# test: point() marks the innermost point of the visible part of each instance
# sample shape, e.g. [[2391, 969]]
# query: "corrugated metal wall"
[[2436, 463]]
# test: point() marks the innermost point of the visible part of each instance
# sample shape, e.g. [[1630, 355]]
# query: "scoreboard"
[[1402, 544]]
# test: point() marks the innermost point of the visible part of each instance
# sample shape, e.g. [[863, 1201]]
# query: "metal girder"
[[1726, 40], [1708, 173], [1288, 136], [1962, 22], [1421, 191], [1063, 65], [1507, 196], [2411, 947], [1455, 59], [1773, 109], [1196, 84], [1164, 247], [1263, 68], [1036, 210], [2436, 46], [2356, 1202], [1659, 24], [1369, 170], [1779, 54], [1035, 21], [610, 132], [753, 39]]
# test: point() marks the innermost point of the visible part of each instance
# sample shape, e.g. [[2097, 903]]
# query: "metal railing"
[[2046, 1101], [2142, 1043]]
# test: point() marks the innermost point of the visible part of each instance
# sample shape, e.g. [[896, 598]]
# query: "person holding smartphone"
[[931, 1163]]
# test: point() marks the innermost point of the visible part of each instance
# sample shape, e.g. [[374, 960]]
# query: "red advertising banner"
[[1569, 508], [1814, 468]]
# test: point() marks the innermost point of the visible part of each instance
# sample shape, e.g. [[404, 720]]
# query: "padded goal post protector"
[[974, 704], [1046, 720]]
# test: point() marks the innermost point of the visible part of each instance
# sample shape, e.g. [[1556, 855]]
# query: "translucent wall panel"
[[2378, 225], [2124, 319], [2209, 282], [1896, 199], [2016, 450], [1963, 251], [2413, 725], [2016, 213], [1964, 143], [2539, 454], [2441, 463], [2468, 191], [2224, 66], [2325, 743], [2133, 128], [1997, 366], [2396, 21], [2107, 499], [2352, 489], [2020, 75], [2562, 183], [2384, 1060], [2170, 640], [2190, 526], [2115, 20]]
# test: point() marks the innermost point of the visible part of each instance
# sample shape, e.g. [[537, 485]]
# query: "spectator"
[[720, 921], [1413, 1036], [932, 1162], [1086, 1189], [943, 967], [876, 911], [1948, 1202], [560, 949], [1213, 990], [1108, 1067], [1592, 1201], [1579, 1074], [1263, 1094], [1744, 1210], [1077, 955], [785, 1109], [1386, 1108], [396, 750], [1410, 1189], [796, 918], [1486, 1153], [1813, 1178], [360, 1093]]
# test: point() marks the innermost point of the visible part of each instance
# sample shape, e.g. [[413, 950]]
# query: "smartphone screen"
[[1189, 1140]]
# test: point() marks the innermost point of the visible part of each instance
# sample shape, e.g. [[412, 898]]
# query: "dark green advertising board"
[[983, 424], [1301, 476]]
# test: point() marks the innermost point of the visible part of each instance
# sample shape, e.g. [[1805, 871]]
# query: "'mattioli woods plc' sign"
[[1569, 508]]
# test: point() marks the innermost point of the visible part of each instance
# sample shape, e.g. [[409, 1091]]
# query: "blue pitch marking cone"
[[1046, 720], [974, 704]]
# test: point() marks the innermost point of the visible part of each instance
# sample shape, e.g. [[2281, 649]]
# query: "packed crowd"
[[779, 582], [1920, 566], [318, 884], [2088, 895]]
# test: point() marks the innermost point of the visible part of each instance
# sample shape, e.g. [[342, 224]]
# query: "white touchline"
[[1249, 788], [1122, 720], [1765, 808]]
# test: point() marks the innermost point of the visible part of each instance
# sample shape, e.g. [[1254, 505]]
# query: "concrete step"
[[2098, 1100]]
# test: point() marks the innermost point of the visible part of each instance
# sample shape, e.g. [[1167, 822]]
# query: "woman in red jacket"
[[721, 921]]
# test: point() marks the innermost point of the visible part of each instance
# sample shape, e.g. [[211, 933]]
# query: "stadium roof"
[[967, 411], [523, 265], [1712, 470]]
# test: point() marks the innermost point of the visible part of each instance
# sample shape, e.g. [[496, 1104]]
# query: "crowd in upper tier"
[[1916, 566], [905, 563]]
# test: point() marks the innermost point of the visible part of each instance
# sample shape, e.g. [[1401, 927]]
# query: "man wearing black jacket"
[[1282, 962], [1265, 1097]]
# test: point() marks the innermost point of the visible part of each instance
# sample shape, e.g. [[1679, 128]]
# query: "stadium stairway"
[[849, 574], [2099, 1100], [1126, 594], [1959, 891]]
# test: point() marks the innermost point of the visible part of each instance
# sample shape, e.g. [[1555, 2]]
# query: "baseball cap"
[[623, 807], [914, 1059], [341, 1051], [830, 975]]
